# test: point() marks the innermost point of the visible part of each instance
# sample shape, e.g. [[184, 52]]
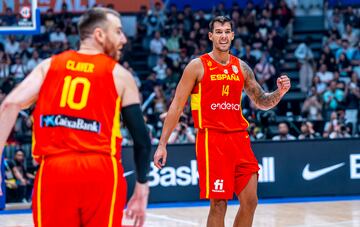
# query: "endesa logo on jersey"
[[70, 122], [225, 106]]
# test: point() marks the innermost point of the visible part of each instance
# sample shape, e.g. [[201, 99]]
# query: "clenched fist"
[[283, 84]]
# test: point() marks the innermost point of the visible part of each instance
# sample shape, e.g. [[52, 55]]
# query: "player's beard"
[[111, 50]]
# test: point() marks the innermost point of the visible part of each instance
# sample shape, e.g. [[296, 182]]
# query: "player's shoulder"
[[195, 63], [121, 72]]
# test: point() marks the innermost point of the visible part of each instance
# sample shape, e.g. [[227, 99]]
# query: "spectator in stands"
[[188, 19], [172, 78], [255, 132], [238, 49], [312, 107], [352, 100], [307, 131], [248, 57], [319, 85], [23, 128], [159, 101], [182, 133], [350, 17], [4, 65], [10, 183], [328, 58], [333, 96], [141, 18], [11, 45], [33, 61], [324, 75], [343, 65], [286, 17], [283, 130], [265, 72], [173, 45], [23, 184], [156, 46], [355, 60], [2, 95], [184, 59], [350, 35], [344, 49], [158, 9], [148, 85], [18, 70], [58, 36], [335, 20], [73, 38], [339, 131], [305, 57], [133, 73], [160, 70]]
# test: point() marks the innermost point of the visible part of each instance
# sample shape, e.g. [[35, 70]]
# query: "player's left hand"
[[137, 204], [283, 84]]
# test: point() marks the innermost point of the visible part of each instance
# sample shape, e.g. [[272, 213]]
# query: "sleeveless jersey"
[[216, 99], [78, 108]]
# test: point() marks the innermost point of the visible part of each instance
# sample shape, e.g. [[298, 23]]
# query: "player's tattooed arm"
[[262, 99]]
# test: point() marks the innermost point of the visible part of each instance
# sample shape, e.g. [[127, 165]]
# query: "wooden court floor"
[[300, 214]]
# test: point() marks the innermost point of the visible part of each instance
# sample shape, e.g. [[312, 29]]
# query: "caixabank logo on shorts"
[[70, 122]]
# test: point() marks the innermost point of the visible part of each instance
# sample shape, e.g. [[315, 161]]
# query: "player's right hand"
[[160, 154]]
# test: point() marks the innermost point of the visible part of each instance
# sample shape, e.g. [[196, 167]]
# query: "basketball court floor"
[[309, 212]]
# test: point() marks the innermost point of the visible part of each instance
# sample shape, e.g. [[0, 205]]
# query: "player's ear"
[[210, 34], [99, 35]]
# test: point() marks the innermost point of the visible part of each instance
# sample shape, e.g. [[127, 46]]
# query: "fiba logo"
[[25, 12], [218, 186]]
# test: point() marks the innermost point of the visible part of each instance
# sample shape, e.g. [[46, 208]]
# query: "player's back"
[[78, 108]]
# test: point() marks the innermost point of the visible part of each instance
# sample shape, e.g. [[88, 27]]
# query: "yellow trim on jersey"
[[33, 140], [115, 133], [207, 170], [196, 104], [38, 193], [241, 111], [196, 143], [113, 198], [199, 113]]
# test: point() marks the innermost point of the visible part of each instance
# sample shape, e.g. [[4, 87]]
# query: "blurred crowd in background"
[[171, 38]]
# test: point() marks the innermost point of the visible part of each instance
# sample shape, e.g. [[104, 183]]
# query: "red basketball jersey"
[[78, 108], [216, 100]]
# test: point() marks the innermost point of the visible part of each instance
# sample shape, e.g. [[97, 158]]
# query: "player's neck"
[[88, 47], [220, 57]]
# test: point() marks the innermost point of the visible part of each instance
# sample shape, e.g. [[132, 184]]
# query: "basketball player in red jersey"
[[79, 96], [226, 163]]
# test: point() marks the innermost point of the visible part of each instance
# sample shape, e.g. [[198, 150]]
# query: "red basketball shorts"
[[225, 163], [79, 189]]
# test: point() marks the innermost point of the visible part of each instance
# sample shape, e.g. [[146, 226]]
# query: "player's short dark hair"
[[93, 18], [222, 20]]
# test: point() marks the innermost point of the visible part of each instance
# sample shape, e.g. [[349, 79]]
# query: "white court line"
[[164, 217], [328, 224]]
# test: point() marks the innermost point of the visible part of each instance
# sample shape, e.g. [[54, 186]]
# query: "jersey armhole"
[[204, 70]]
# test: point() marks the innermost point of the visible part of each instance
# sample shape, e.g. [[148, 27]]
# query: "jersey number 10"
[[69, 89]]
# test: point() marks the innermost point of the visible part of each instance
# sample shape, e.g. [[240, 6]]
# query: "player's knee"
[[249, 203], [218, 206]]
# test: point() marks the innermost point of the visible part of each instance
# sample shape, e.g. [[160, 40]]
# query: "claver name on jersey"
[[224, 77], [80, 66]]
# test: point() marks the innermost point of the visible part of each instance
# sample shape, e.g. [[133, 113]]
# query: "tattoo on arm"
[[262, 99]]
